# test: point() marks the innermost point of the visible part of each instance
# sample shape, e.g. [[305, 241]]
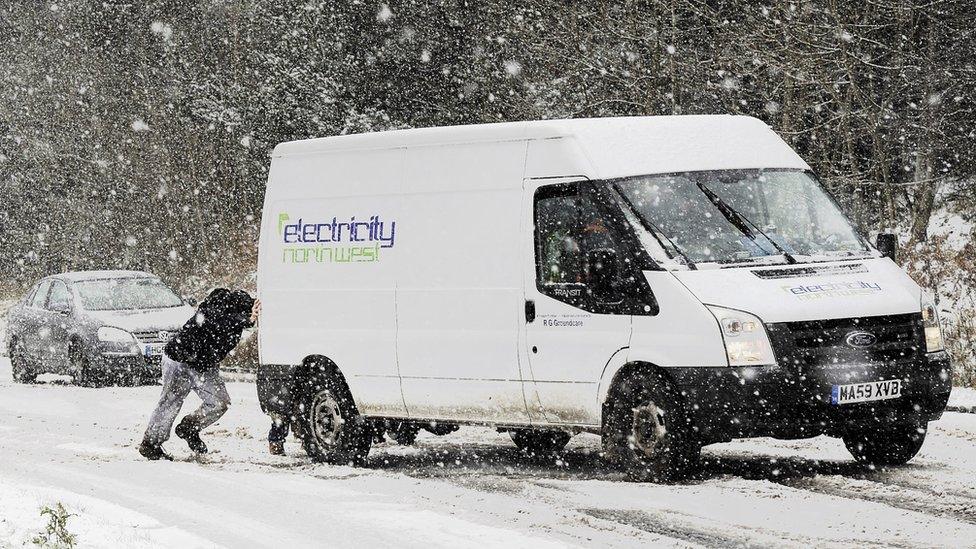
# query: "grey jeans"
[[178, 380]]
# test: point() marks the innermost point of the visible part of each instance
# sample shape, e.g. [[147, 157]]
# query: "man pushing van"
[[190, 362]]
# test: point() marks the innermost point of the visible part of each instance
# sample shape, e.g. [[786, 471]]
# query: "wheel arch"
[[313, 366], [609, 390]]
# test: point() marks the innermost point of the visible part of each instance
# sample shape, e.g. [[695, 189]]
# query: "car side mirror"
[[887, 244], [191, 301], [601, 273], [61, 307]]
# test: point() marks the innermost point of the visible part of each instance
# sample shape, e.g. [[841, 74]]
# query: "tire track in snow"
[[905, 497], [680, 526]]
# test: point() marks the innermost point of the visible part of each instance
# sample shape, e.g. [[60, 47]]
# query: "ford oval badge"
[[861, 340]]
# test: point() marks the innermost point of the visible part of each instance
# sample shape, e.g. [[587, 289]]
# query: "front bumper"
[[773, 401]]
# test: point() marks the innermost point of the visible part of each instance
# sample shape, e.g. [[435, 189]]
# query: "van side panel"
[[459, 296], [328, 263]]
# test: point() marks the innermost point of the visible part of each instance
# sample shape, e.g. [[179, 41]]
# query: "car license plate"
[[153, 349], [866, 392]]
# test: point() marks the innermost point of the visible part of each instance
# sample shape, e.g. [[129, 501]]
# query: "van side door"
[[578, 300]]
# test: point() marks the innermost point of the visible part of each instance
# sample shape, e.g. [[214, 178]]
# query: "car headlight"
[[111, 334], [746, 341], [934, 341]]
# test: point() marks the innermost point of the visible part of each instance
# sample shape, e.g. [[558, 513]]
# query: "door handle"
[[529, 311]]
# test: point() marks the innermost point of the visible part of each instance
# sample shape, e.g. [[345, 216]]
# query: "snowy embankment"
[[60, 443]]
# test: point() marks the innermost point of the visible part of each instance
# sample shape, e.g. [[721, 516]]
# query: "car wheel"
[[19, 365], [540, 442], [886, 445], [648, 433], [82, 370], [329, 426]]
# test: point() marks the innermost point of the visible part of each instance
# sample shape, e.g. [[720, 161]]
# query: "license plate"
[[153, 349], [866, 392]]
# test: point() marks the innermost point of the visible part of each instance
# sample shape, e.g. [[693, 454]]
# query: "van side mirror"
[[887, 244], [601, 273]]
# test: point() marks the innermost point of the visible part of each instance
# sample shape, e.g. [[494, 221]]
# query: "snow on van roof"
[[616, 147]]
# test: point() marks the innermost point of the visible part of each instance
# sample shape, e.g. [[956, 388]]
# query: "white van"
[[666, 282]]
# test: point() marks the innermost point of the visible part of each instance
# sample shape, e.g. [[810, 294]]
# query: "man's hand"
[[255, 310]]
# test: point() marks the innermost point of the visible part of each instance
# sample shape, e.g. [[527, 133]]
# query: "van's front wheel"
[[330, 428], [886, 445], [648, 433]]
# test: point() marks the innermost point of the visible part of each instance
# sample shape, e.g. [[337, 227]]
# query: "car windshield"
[[117, 294], [740, 216]]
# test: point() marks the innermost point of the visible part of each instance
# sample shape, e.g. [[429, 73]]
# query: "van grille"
[[152, 336], [824, 343]]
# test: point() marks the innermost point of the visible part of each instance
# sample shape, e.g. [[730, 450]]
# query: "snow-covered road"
[[77, 446]]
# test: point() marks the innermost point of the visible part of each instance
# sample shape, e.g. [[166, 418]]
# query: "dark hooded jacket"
[[213, 331]]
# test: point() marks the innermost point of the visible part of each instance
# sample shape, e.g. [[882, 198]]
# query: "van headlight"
[[934, 341], [746, 341], [111, 334]]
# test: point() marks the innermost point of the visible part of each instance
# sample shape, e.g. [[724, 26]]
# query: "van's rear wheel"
[[540, 442], [886, 445], [330, 428], [648, 433], [19, 366]]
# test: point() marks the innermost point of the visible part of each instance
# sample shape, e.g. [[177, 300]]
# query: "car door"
[[572, 326], [57, 317], [33, 332]]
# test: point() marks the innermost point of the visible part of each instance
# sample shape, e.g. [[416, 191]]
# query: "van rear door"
[[571, 327]]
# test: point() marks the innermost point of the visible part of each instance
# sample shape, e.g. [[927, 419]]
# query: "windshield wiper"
[[656, 231], [743, 223]]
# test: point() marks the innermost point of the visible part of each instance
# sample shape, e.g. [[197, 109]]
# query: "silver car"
[[101, 327]]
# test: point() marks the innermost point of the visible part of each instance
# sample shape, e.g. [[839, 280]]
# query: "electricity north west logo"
[[335, 241]]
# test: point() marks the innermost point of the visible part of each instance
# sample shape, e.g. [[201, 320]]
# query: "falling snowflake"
[[385, 13], [513, 68]]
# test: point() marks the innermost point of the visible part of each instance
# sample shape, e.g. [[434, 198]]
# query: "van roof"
[[616, 146]]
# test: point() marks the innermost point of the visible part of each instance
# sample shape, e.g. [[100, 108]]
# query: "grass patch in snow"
[[56, 533]]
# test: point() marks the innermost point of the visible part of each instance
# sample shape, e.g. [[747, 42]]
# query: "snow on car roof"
[[615, 147], [78, 276]]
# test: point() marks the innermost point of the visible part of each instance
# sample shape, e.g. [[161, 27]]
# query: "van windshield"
[[741, 216]]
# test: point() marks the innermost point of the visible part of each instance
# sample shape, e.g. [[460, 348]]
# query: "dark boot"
[[189, 431], [153, 451], [276, 448]]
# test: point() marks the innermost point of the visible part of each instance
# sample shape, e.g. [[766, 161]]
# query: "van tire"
[[540, 442], [648, 434], [886, 445], [328, 424], [19, 366]]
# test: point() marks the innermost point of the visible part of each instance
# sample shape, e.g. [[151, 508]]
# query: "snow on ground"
[[60, 443]]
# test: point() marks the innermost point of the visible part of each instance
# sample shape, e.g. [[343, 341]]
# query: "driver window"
[[574, 241], [557, 245], [60, 298]]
